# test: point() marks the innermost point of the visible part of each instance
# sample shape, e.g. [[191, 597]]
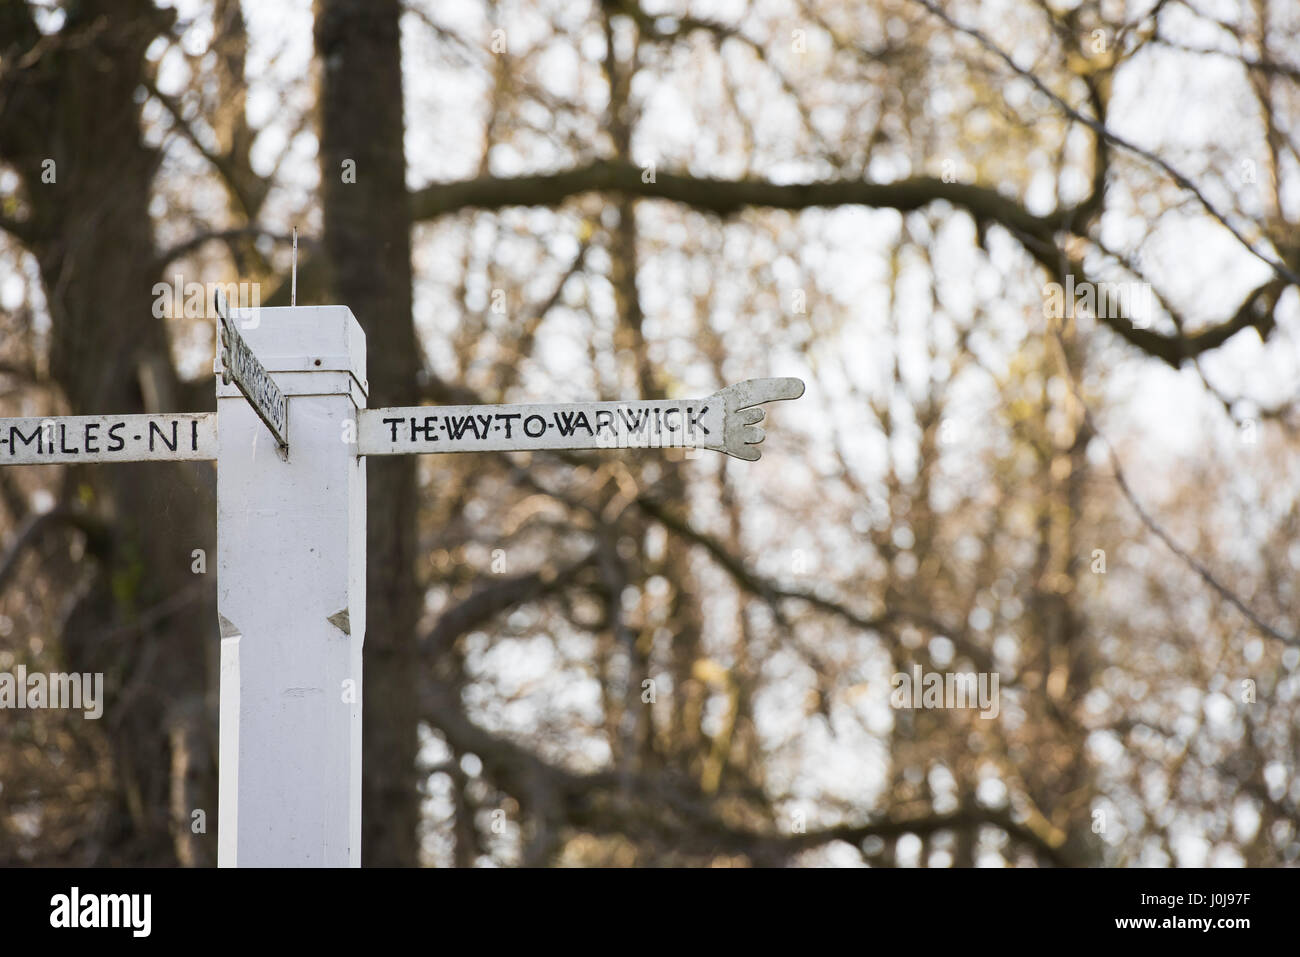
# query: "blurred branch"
[[21, 371], [508, 372], [1035, 833], [160, 612], [774, 593], [184, 248], [1265, 66], [675, 809], [36, 526], [22, 230], [652, 29], [247, 188], [222, 164], [725, 196], [1257, 311], [1152, 525], [1099, 128], [490, 599]]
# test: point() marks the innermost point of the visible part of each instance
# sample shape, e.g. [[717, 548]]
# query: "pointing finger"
[[756, 391]]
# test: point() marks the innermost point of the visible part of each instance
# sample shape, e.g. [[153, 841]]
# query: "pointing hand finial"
[[741, 432]]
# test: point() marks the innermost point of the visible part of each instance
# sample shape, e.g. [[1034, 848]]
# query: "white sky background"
[[1159, 419]]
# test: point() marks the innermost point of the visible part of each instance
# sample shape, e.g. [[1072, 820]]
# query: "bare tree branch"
[[775, 593], [1100, 129], [185, 247], [1155, 527], [35, 526], [725, 196], [676, 809], [496, 596]]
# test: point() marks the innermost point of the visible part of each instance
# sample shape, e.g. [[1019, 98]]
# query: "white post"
[[291, 580]]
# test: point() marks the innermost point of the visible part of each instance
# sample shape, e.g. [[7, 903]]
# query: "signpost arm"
[[726, 421], [238, 363]]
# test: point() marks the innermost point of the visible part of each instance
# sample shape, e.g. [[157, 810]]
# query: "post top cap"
[[305, 339]]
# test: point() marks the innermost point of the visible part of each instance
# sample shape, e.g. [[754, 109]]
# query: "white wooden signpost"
[[291, 537]]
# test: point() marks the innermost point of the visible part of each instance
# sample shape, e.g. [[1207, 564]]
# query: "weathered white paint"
[[238, 363], [61, 439], [291, 597], [725, 421], [228, 755]]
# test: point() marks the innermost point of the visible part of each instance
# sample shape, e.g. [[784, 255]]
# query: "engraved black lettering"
[[693, 422], [427, 428], [175, 439], [457, 424], [120, 443], [507, 416], [635, 419], [564, 422], [16, 433]]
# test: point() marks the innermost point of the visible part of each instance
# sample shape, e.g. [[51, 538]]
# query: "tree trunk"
[[367, 243], [146, 620]]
